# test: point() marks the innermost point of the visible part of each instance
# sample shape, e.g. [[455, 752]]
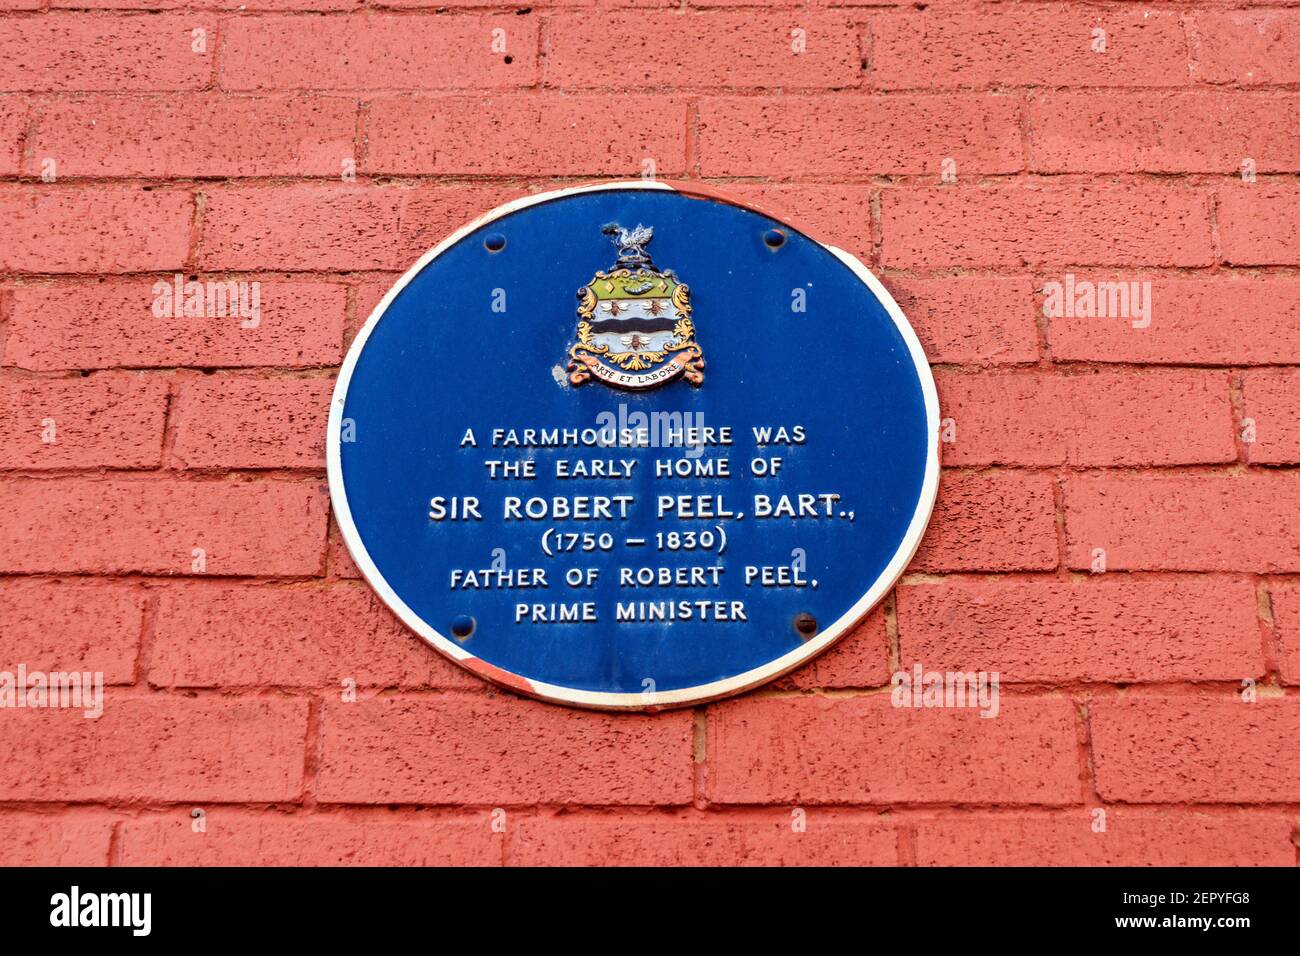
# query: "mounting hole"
[[774, 238], [805, 624], [494, 242], [462, 626]]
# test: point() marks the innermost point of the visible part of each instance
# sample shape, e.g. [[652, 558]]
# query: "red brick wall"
[[1121, 690]]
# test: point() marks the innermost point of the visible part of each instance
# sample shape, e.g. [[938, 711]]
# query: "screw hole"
[[805, 624], [774, 238], [462, 627], [494, 242], [509, 60]]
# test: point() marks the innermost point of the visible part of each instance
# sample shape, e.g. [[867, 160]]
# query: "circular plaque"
[[633, 446]]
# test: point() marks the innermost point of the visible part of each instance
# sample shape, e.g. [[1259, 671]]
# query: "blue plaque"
[[688, 478]]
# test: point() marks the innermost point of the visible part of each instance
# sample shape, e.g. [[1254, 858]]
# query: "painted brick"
[[700, 840], [368, 295], [500, 135], [239, 5], [13, 121], [237, 422], [500, 750], [702, 51], [721, 4], [837, 215], [101, 229], [1131, 838], [502, 4], [377, 53], [335, 227], [236, 838], [1142, 223], [156, 748], [119, 526], [1195, 749], [993, 522], [29, 839], [651, 5], [340, 561], [1259, 224], [1047, 45], [85, 52], [71, 626], [1246, 522], [113, 420], [1272, 398], [858, 136], [971, 320], [1247, 47], [1046, 418], [200, 134], [859, 659], [104, 324], [864, 750], [241, 635], [304, 227], [1163, 132], [1194, 321], [236, 172], [1285, 599], [1108, 628]]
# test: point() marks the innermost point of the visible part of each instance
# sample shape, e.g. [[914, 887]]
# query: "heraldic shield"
[[634, 321]]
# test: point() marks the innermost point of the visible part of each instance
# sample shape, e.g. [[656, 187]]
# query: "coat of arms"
[[634, 321]]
